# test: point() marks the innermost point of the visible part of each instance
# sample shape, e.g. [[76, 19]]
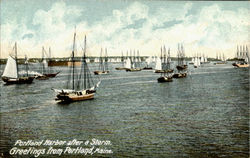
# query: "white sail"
[[10, 68], [149, 60], [195, 62], [158, 64], [202, 59], [128, 64], [199, 61], [45, 63], [246, 59], [205, 59]]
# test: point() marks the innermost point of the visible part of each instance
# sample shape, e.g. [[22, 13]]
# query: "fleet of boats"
[[82, 86], [242, 57]]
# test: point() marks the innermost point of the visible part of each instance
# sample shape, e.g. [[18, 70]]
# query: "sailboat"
[[166, 76], [50, 72], [222, 60], [123, 64], [134, 63], [181, 56], [181, 67], [149, 60], [242, 57], [80, 86], [192, 61], [159, 64], [11, 71], [103, 64], [46, 72]]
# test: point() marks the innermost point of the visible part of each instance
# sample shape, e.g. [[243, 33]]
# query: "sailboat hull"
[[180, 75], [241, 65], [120, 68], [20, 80], [133, 69], [147, 68], [100, 72], [164, 71], [165, 79], [51, 74], [75, 96], [181, 67], [43, 77]]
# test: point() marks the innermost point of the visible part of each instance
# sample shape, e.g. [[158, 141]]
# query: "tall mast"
[[73, 61], [84, 62], [16, 59], [43, 60], [101, 62], [237, 53], [49, 59], [106, 60], [26, 65], [168, 59]]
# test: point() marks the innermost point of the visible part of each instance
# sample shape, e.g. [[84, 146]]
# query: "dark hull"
[[42, 77], [21, 80], [120, 68], [100, 72], [132, 70], [164, 79], [147, 68], [180, 75], [164, 71], [181, 67], [51, 74]]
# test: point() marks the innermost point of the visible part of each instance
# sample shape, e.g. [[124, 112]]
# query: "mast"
[[106, 60], [237, 53], [73, 61], [168, 59], [164, 60], [16, 59], [49, 59], [43, 68], [84, 64], [26, 65], [101, 67]]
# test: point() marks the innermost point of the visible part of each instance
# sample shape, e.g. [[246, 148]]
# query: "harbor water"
[[203, 115]]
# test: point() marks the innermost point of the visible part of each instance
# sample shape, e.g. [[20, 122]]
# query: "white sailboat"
[[148, 61], [11, 72]]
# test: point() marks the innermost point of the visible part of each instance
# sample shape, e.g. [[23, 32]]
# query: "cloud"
[[136, 26]]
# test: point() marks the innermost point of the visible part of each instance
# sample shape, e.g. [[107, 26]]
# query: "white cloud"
[[134, 27]]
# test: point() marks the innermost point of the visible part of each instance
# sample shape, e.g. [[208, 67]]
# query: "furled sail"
[[10, 68]]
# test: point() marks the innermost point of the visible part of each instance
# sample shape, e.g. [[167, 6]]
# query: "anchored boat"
[[103, 64], [166, 76], [80, 86], [181, 66], [11, 71]]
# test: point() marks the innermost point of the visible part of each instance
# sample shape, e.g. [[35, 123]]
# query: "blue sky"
[[121, 25]]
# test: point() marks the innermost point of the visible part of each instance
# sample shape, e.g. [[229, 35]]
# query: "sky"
[[207, 27]]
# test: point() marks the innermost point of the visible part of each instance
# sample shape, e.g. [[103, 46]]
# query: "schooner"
[[80, 86]]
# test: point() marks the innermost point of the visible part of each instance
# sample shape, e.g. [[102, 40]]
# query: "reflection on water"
[[203, 115]]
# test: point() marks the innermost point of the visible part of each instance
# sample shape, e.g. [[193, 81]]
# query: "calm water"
[[203, 115]]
